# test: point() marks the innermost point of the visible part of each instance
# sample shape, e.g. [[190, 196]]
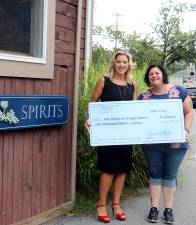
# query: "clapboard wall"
[[36, 164]]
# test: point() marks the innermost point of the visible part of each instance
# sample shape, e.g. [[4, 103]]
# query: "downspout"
[[75, 102], [88, 35]]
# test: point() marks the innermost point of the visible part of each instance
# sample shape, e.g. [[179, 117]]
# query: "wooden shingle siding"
[[64, 47], [66, 22], [63, 59], [72, 2], [66, 9], [36, 164], [65, 35]]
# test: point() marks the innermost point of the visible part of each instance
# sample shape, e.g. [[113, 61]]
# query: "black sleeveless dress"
[[117, 158]]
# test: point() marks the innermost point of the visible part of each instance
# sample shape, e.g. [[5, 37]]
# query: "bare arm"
[[188, 118], [188, 112], [98, 90], [135, 93], [95, 97]]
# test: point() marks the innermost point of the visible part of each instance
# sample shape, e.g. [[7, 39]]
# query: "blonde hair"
[[128, 74]]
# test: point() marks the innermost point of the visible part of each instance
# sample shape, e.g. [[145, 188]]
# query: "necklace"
[[122, 95]]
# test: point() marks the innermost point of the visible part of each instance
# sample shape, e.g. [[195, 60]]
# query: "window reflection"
[[21, 27]]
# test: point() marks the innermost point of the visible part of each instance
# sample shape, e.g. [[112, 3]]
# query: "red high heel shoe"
[[119, 216], [103, 218]]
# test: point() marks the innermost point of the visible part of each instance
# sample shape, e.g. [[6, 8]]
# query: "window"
[[27, 37]]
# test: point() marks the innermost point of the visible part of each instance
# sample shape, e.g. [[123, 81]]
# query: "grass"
[[84, 206]]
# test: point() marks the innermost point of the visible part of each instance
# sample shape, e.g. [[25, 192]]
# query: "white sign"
[[136, 122]]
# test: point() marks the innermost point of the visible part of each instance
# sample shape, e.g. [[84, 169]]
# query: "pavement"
[[138, 207]]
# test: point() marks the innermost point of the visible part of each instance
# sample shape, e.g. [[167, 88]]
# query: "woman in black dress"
[[114, 161]]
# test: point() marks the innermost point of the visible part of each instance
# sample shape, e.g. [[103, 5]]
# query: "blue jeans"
[[163, 164]]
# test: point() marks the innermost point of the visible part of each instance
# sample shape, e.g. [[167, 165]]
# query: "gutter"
[[75, 100], [88, 35]]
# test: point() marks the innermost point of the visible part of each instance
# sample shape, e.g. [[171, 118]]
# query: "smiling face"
[[155, 76], [121, 65]]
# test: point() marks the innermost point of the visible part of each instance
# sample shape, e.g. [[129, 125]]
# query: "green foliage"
[[87, 174], [166, 45], [100, 56], [84, 205], [138, 177], [172, 42], [184, 49], [139, 77], [142, 49]]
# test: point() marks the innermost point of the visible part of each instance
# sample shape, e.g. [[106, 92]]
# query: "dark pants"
[[164, 164]]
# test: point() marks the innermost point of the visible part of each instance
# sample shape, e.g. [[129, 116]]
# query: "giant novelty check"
[[136, 122]]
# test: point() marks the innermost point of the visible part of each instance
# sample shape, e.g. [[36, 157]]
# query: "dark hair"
[[165, 76]]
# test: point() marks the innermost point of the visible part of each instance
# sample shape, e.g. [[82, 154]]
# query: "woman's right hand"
[[87, 124]]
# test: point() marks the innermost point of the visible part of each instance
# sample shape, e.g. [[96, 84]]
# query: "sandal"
[[119, 216], [102, 218]]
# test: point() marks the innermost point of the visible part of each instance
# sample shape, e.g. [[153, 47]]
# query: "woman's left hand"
[[187, 136], [175, 145]]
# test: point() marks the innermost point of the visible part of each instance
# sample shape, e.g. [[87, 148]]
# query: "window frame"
[[37, 64]]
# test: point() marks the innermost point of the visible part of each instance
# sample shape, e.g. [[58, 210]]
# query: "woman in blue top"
[[165, 159]]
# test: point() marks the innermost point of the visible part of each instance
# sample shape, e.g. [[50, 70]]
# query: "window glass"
[[27, 38], [21, 27]]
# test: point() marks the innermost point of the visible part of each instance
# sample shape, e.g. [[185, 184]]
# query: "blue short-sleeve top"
[[175, 92]]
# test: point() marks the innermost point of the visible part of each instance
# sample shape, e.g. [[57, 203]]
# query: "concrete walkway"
[[137, 208]]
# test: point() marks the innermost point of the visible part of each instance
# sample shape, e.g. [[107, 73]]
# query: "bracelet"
[[187, 130]]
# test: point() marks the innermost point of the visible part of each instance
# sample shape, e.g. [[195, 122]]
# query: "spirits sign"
[[18, 112]]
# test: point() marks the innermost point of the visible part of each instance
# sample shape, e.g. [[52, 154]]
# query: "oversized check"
[[136, 122]]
